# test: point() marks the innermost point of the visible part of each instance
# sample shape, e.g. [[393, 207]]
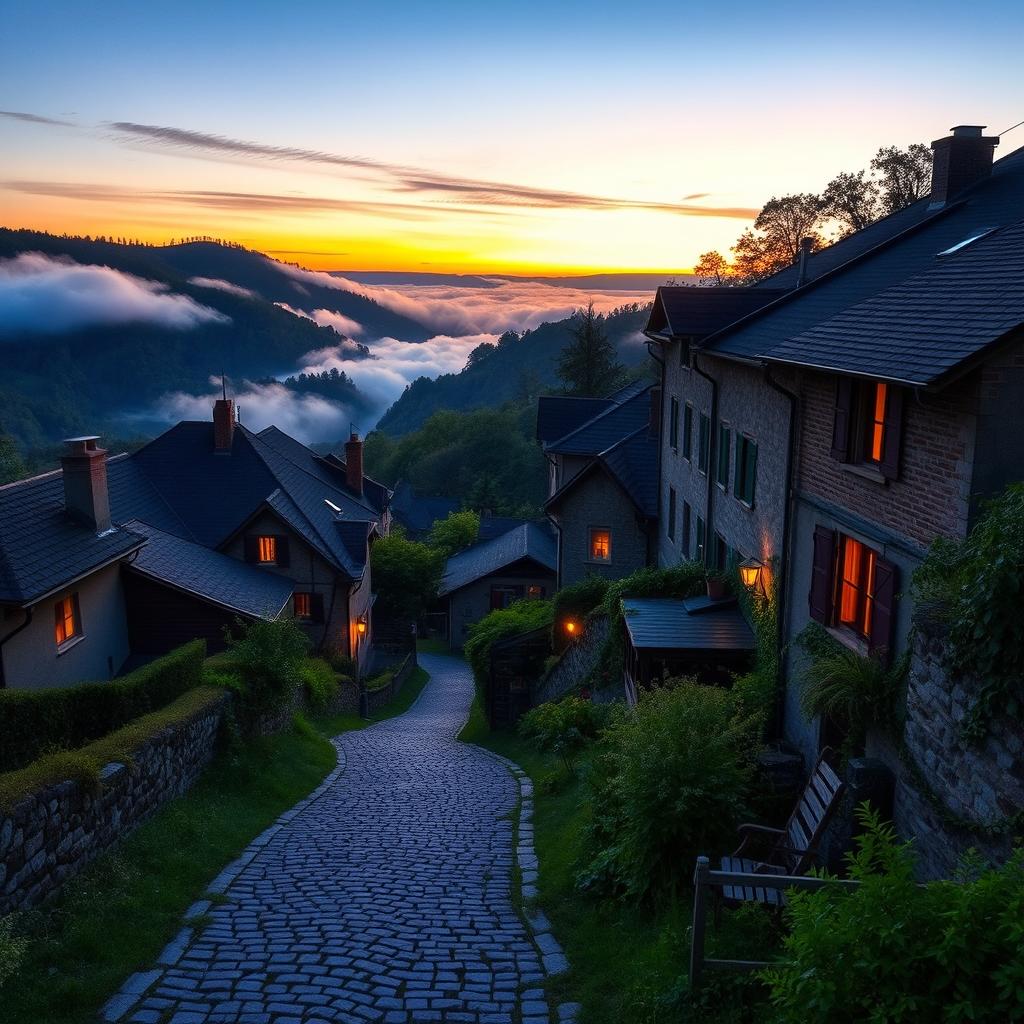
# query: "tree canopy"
[[588, 365]]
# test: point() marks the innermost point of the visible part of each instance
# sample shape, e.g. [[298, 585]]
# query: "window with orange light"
[[855, 585], [600, 545], [875, 398], [267, 549], [303, 605], [67, 621]]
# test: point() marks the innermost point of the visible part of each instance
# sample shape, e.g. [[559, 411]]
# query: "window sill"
[[597, 561], [68, 644], [849, 640], [864, 472]]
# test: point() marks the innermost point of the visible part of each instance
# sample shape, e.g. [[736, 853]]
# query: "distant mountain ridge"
[[631, 282]]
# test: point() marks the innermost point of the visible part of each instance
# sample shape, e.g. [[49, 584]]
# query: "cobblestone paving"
[[386, 897]]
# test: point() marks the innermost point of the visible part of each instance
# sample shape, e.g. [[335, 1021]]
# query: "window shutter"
[[751, 472], [820, 597], [252, 549], [843, 417], [893, 436], [281, 549], [316, 607], [883, 613]]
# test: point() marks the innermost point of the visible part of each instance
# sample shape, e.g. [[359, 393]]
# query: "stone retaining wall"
[[981, 782], [50, 836], [376, 699], [576, 663]]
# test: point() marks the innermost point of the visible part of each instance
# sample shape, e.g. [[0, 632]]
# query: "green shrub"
[[521, 617], [894, 952], [405, 576], [269, 656], [380, 680], [977, 583], [37, 722], [575, 602], [12, 950], [455, 533], [564, 726], [341, 663], [670, 785], [319, 682]]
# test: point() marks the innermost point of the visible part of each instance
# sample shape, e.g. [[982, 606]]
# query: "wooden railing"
[[704, 880]]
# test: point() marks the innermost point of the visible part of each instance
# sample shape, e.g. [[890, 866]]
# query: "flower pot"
[[717, 588]]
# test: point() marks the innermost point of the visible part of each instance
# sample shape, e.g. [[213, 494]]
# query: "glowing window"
[[534, 592], [267, 547], [303, 605], [874, 441], [67, 624], [600, 545], [856, 586]]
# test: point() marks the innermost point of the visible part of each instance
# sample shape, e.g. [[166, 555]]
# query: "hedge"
[[34, 723]]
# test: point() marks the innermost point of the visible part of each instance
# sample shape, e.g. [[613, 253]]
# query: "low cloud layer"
[[223, 286], [327, 318], [46, 295]]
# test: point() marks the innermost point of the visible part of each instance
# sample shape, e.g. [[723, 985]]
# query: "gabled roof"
[[418, 513], [632, 463], [899, 249], [528, 541], [608, 427], [209, 575], [558, 415], [923, 328], [42, 548], [697, 312]]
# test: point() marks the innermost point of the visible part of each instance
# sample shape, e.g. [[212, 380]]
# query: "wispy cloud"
[[46, 295], [338, 322], [20, 115], [412, 180], [223, 286]]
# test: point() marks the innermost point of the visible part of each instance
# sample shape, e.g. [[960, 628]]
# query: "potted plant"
[[717, 586]]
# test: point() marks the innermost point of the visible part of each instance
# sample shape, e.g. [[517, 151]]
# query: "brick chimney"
[[959, 160], [223, 424], [85, 483], [354, 463]]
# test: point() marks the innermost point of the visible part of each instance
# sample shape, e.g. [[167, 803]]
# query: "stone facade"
[[981, 783], [576, 663], [51, 835]]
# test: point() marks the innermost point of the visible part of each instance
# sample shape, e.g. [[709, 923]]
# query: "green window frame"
[[688, 432], [686, 529], [724, 441], [671, 513], [745, 482], [673, 424], [701, 538], [704, 444]]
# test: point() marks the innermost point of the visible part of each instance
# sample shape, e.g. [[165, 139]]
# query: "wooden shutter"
[[893, 435], [316, 607], [283, 559], [842, 419], [820, 596], [883, 614], [252, 549]]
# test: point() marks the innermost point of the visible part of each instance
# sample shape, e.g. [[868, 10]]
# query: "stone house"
[[111, 559], [519, 564], [602, 489]]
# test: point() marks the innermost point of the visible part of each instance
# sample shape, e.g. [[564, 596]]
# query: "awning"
[[693, 624]]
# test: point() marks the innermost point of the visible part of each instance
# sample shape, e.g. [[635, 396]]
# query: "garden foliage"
[[894, 951], [520, 617], [320, 683], [670, 784], [38, 722], [268, 657], [564, 727]]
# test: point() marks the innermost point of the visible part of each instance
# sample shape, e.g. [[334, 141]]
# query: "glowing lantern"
[[571, 627], [361, 626], [750, 573]]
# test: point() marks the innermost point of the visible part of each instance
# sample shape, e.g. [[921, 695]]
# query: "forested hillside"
[[517, 368]]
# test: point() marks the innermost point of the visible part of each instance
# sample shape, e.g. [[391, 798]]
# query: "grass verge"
[[626, 963], [114, 918]]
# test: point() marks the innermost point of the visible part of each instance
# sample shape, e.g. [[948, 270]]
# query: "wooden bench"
[[785, 851]]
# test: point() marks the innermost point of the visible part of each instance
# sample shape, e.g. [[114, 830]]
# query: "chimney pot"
[[354, 463], [84, 469], [223, 424], [960, 160]]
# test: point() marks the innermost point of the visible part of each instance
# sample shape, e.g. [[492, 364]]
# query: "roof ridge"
[[614, 407]]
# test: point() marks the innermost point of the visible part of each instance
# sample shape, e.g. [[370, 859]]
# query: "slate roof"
[[698, 312], [529, 541], [607, 428], [892, 251], [494, 526], [209, 575], [666, 623], [418, 513], [558, 415], [919, 330], [42, 548], [633, 461]]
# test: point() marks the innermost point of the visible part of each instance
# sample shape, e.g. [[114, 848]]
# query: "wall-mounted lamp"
[[571, 627], [750, 573], [361, 625]]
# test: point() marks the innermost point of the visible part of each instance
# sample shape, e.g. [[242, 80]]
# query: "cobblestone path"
[[385, 897]]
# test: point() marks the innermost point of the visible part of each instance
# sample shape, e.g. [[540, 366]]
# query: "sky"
[[474, 137]]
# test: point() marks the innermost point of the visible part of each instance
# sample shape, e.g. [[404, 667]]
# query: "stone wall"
[[376, 699], [51, 835], [576, 663], [982, 783]]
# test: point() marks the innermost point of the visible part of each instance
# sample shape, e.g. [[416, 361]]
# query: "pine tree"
[[588, 365]]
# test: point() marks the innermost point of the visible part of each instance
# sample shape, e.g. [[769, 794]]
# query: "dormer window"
[[868, 425], [267, 547], [67, 620]]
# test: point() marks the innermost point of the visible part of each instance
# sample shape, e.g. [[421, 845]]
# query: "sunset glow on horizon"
[[462, 140]]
